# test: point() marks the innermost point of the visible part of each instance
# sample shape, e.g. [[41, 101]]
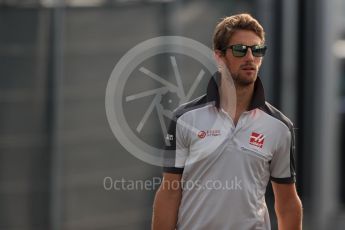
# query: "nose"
[[249, 55]]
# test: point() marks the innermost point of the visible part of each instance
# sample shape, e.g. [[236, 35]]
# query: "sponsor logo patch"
[[207, 133], [257, 139]]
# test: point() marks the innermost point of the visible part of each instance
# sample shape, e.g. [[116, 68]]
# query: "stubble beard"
[[243, 81]]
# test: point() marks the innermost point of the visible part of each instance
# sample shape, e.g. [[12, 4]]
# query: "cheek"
[[236, 65], [233, 62], [258, 62], [233, 67]]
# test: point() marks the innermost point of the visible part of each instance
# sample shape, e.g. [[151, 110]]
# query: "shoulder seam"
[[277, 114], [189, 106]]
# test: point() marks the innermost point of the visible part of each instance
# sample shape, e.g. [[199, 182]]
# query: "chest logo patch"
[[213, 132], [257, 139]]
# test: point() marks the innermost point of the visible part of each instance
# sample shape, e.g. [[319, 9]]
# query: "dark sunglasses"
[[241, 50]]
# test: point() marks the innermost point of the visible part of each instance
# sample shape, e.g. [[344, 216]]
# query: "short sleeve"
[[176, 149], [282, 165]]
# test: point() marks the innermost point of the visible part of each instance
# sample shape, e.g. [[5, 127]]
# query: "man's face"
[[244, 70]]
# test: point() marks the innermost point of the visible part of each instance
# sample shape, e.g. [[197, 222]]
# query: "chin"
[[246, 80]]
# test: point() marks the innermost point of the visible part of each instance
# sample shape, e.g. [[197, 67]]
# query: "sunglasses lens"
[[239, 50], [259, 51]]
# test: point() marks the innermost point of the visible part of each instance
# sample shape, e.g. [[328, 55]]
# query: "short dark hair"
[[228, 25]]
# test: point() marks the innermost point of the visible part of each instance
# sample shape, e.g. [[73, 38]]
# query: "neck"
[[228, 92]]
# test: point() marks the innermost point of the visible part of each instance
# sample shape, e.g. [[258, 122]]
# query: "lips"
[[249, 68]]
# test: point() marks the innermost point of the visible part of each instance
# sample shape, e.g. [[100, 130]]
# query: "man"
[[230, 136]]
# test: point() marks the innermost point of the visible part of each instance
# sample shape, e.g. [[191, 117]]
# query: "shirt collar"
[[258, 99]]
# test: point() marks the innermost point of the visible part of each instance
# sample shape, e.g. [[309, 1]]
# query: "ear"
[[218, 55], [220, 61]]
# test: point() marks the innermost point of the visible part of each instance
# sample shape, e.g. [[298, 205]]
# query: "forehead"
[[245, 37]]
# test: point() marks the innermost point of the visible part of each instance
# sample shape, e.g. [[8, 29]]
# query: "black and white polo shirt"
[[226, 168]]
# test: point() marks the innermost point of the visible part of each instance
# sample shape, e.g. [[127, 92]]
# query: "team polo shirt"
[[226, 168]]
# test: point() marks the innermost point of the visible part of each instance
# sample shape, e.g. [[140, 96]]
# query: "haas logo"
[[257, 139]]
